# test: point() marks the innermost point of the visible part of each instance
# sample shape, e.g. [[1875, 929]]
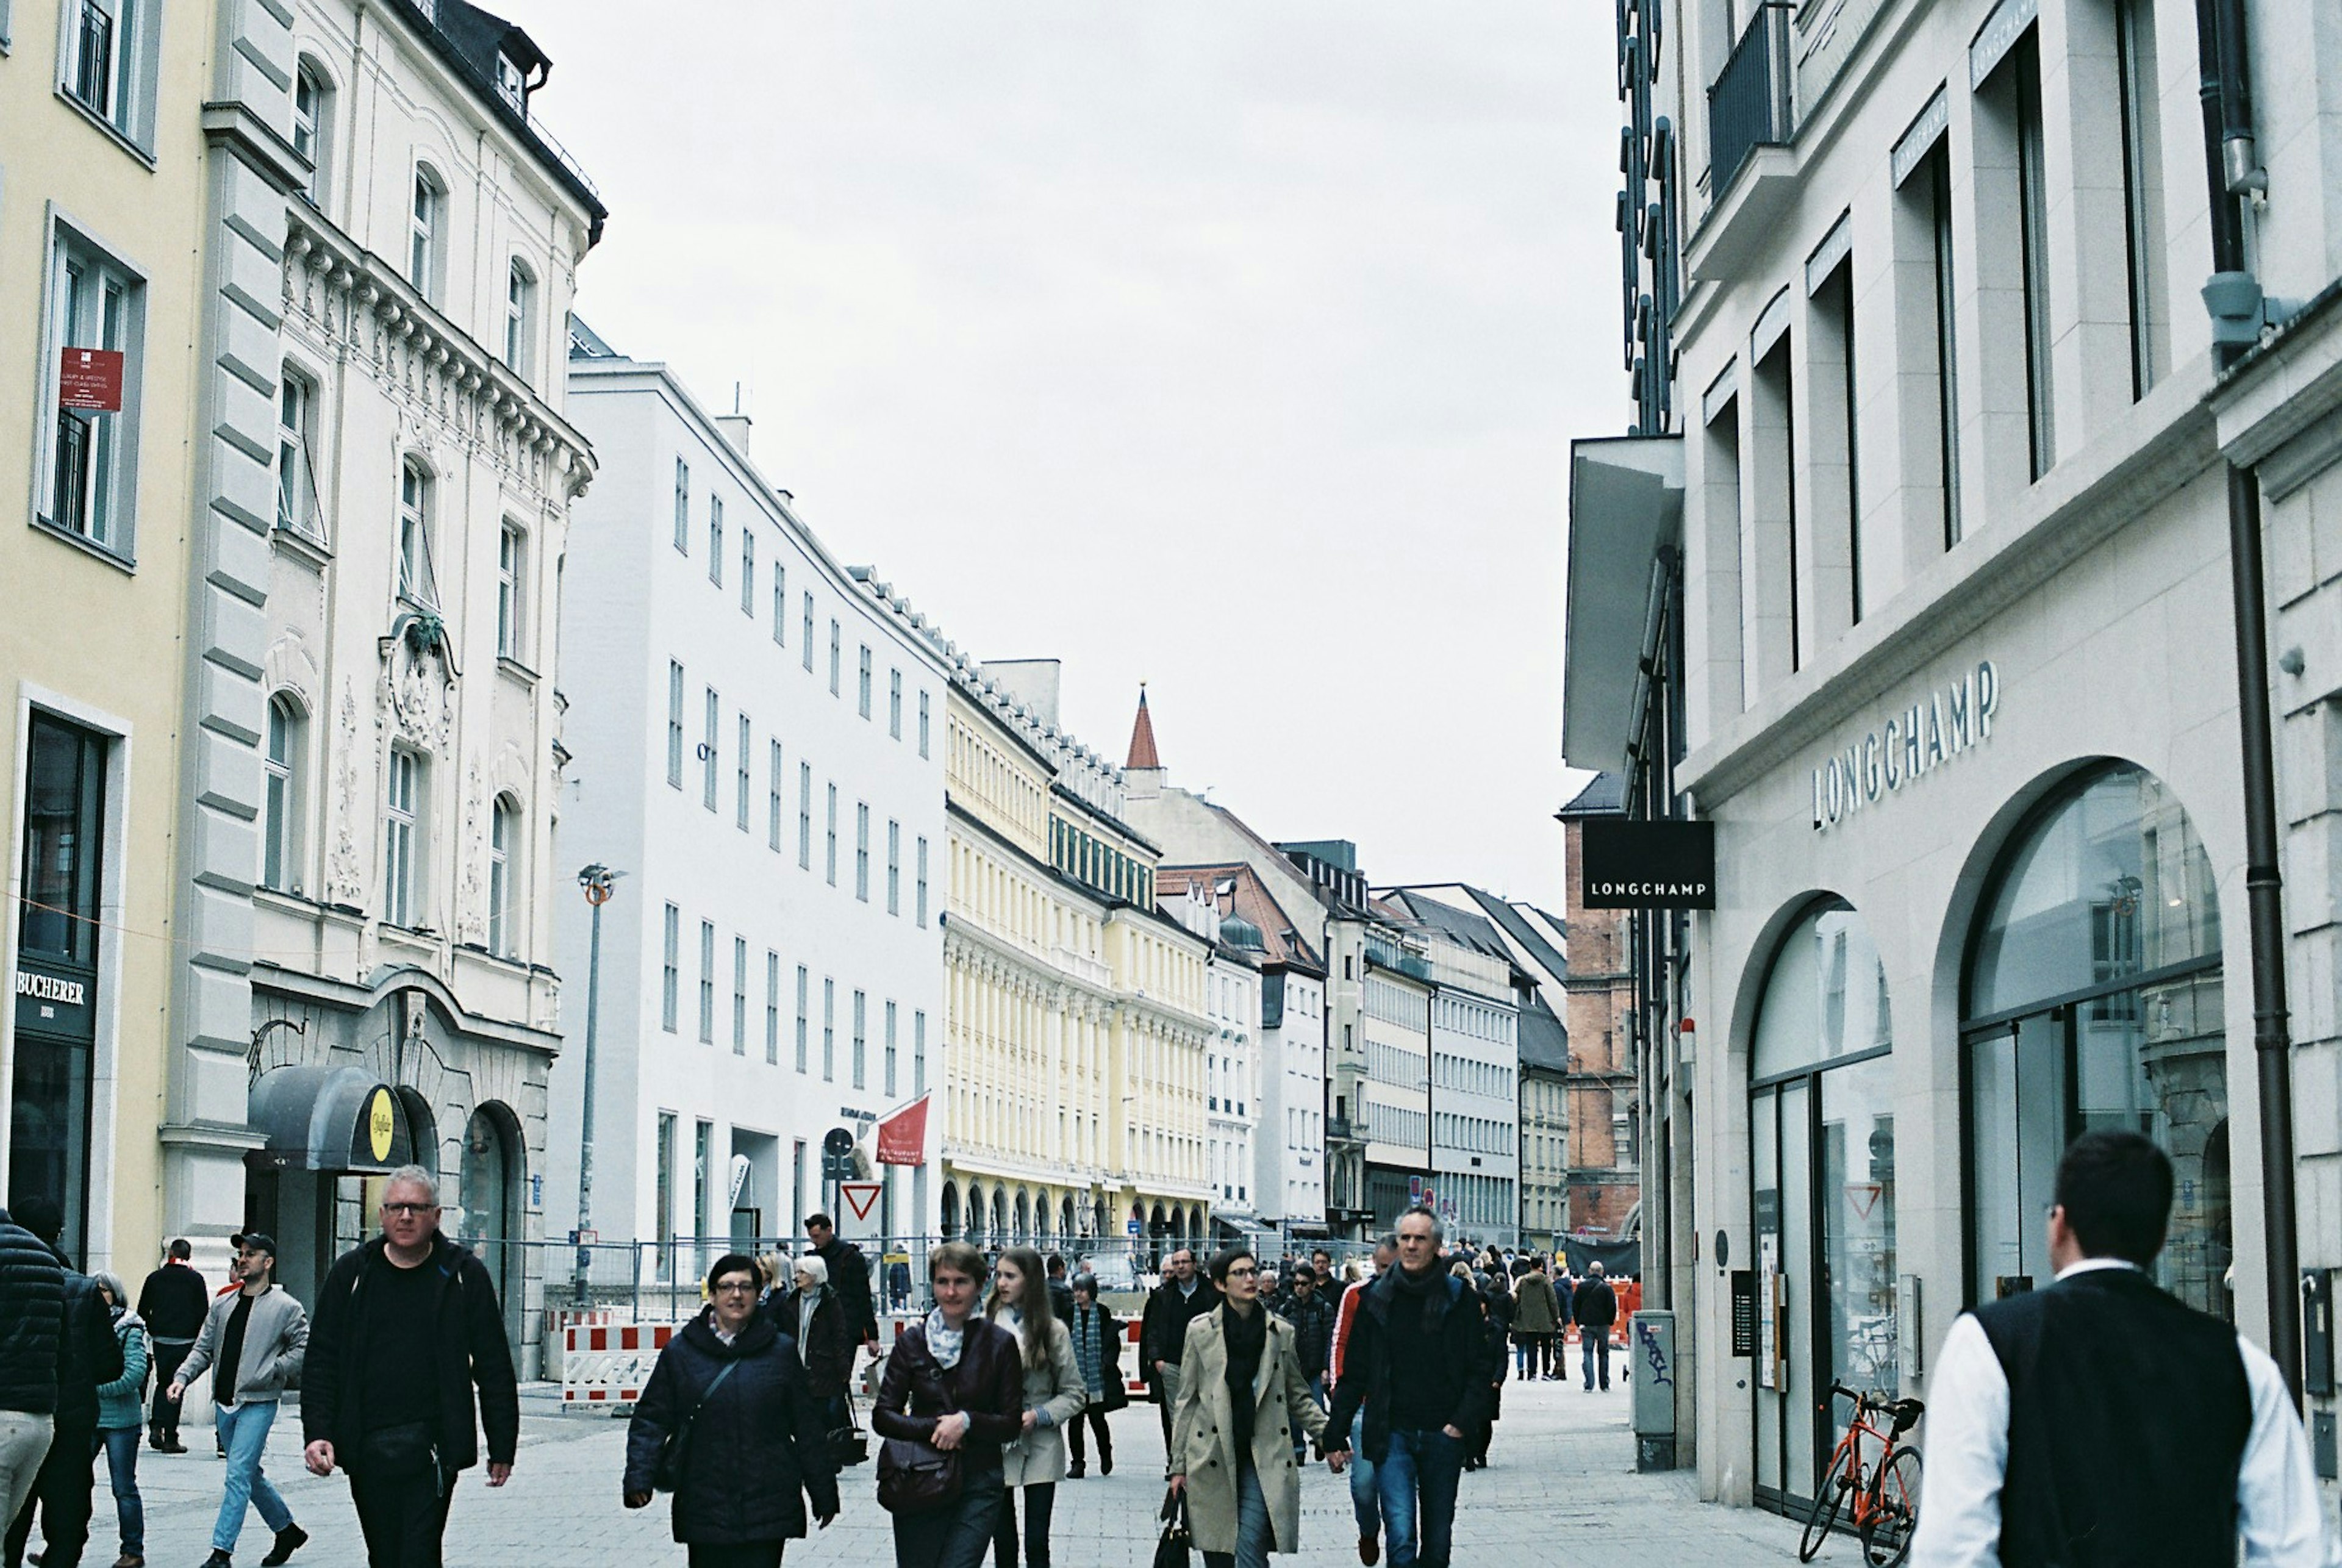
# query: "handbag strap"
[[709, 1392]]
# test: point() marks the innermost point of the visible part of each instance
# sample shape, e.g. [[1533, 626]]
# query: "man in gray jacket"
[[252, 1343]]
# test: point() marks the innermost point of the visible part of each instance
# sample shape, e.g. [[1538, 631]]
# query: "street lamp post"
[[599, 883]]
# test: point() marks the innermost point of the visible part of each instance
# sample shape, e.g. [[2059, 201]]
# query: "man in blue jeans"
[[1408, 1378], [253, 1343]]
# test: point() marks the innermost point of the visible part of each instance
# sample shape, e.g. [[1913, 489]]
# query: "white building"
[[371, 787], [1475, 1026], [1233, 1059], [759, 749]]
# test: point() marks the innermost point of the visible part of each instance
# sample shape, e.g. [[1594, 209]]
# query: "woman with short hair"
[[119, 1413], [1097, 1351], [809, 1313], [955, 1381], [1053, 1395]]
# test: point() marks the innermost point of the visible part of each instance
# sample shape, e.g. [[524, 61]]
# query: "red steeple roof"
[[1142, 737]]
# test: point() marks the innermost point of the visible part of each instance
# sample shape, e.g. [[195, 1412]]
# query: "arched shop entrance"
[[2092, 999], [1822, 1192]]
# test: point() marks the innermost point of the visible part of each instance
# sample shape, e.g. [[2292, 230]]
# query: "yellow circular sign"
[[380, 1123]]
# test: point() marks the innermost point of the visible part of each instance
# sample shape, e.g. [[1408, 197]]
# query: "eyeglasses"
[[735, 1287], [1242, 1272], [405, 1211]]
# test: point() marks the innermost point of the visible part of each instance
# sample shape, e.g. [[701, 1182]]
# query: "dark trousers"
[[957, 1536], [745, 1555], [403, 1517], [61, 1492], [163, 1413], [1594, 1342], [1094, 1417], [1040, 1502]]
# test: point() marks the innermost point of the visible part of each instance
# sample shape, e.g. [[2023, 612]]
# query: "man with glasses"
[[254, 1343], [407, 1328], [1171, 1306]]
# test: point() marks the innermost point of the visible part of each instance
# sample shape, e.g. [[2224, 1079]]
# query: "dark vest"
[[2128, 1417]]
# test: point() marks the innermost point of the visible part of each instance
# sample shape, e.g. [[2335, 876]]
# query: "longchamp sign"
[[1908, 745], [1626, 864]]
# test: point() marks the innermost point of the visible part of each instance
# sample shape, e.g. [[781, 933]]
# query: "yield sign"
[[1864, 1196], [859, 1200]]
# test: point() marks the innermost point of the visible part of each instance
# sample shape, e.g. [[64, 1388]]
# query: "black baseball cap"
[[254, 1240]]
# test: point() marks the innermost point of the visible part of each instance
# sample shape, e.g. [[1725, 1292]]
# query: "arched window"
[[313, 123], [520, 309], [427, 223], [2093, 1000], [504, 878], [280, 846], [415, 573]]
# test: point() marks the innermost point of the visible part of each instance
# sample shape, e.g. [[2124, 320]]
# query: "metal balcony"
[[1749, 105]]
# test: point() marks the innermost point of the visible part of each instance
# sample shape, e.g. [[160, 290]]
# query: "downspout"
[[2234, 297]]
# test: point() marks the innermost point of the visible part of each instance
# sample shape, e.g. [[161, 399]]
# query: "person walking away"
[[809, 1314], [1054, 1395], [849, 1276], [1496, 1319], [1365, 1503], [1098, 1352], [1313, 1342], [898, 1283], [254, 1343], [757, 1446], [1537, 1318], [1061, 1290], [1412, 1368], [88, 1357], [1171, 1306], [1593, 1308], [1241, 1390], [32, 1320], [955, 1381], [1565, 1295], [2100, 1421], [173, 1303], [120, 1413], [408, 1338]]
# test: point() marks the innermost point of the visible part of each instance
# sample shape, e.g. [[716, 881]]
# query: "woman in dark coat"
[[809, 1312], [1097, 1351], [1497, 1320], [758, 1446], [957, 1381]]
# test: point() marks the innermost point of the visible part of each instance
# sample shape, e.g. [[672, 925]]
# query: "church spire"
[[1142, 737]]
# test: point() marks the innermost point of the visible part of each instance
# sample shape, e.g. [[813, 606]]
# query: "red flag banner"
[[903, 1135]]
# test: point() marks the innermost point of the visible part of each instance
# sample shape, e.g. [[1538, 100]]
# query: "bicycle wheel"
[[1894, 1512], [1829, 1499]]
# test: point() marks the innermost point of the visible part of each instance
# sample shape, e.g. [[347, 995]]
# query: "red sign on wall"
[[91, 379]]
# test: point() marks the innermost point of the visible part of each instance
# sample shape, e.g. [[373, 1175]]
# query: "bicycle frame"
[[1866, 1501]]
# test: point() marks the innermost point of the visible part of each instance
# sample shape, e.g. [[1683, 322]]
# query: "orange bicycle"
[[1884, 1497]]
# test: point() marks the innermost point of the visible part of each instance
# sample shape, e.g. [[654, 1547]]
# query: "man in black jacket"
[[87, 1355], [1312, 1317], [849, 1276], [32, 1311], [1593, 1308], [1061, 1291], [406, 1326], [1182, 1298], [1413, 1363], [173, 1303]]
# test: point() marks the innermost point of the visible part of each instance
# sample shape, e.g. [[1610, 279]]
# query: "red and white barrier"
[[606, 1366]]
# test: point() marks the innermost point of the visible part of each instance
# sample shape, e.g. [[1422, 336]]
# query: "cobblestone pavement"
[[1561, 1487]]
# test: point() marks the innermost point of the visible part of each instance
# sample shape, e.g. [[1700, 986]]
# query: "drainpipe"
[[2234, 297]]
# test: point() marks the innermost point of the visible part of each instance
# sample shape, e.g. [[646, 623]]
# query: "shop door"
[[1788, 1416]]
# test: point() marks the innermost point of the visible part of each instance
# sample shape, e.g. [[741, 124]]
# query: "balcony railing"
[[1749, 105]]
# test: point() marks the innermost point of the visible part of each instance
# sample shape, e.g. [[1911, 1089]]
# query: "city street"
[[1560, 1488]]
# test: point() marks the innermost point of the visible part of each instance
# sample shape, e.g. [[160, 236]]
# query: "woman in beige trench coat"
[[1241, 1392]]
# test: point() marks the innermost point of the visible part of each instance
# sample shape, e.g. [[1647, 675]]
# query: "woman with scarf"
[[809, 1313], [119, 1416], [1241, 1393], [1097, 1351], [956, 1382], [1053, 1395]]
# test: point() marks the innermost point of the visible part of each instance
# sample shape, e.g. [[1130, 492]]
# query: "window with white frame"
[[805, 983], [804, 816], [780, 605], [806, 646], [773, 805], [923, 726], [920, 908], [97, 310], [828, 1029], [401, 864], [715, 540], [709, 768], [415, 499], [862, 690], [894, 867], [503, 839], [296, 480], [312, 125], [747, 571], [671, 970], [674, 722], [829, 864], [106, 63], [836, 661], [280, 845], [740, 810], [427, 218], [891, 1015], [861, 1039], [682, 507], [772, 1008], [739, 996], [862, 852], [512, 578], [520, 308], [894, 704], [707, 983]]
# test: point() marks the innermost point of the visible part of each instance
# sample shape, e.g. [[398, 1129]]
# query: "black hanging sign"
[[1626, 864]]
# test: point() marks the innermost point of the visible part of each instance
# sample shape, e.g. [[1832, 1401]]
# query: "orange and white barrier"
[[605, 1366]]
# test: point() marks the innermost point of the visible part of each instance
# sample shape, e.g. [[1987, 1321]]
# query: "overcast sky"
[[1232, 347]]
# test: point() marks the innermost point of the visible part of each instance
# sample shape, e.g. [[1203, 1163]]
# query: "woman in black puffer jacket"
[[758, 1446]]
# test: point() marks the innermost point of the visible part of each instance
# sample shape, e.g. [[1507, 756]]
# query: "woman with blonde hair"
[[1054, 1392]]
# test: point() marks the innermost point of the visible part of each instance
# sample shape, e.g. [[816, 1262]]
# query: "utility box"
[[1651, 1358]]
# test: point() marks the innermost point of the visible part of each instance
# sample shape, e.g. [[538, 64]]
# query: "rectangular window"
[[923, 726], [920, 908], [401, 827], [1780, 575], [89, 440], [780, 605], [862, 852], [674, 722], [1934, 352], [710, 766], [297, 510], [894, 867], [682, 507], [2033, 230], [512, 557], [891, 1015], [1834, 459], [520, 292], [707, 983], [2142, 150], [829, 857], [428, 218], [894, 704], [416, 581], [739, 996], [861, 1038], [805, 644], [828, 1029], [862, 689], [919, 1052], [748, 571], [772, 1008], [804, 816], [805, 985], [663, 1220], [773, 803], [836, 660], [703, 1177], [671, 973], [740, 809]]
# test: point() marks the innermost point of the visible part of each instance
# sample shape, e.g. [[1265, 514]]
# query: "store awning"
[[1625, 501], [330, 1119], [1236, 1226]]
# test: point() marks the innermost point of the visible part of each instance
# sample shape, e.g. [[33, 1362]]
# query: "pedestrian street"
[[1560, 1488]]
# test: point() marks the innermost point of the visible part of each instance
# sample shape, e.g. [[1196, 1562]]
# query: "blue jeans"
[[1593, 1342], [120, 1446], [1364, 1503], [1416, 1484], [245, 1429], [1300, 1436], [1254, 1537]]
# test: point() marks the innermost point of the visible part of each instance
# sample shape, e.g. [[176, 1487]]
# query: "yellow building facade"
[[103, 159]]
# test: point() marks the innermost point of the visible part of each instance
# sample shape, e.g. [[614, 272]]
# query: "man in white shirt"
[[2101, 1421]]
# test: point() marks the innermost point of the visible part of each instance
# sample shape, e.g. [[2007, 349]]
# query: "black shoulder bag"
[[666, 1469], [914, 1476]]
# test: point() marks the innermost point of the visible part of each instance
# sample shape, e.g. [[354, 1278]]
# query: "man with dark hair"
[[254, 1341], [1061, 1293], [849, 1277], [1182, 1298], [2100, 1421], [173, 1303], [88, 1355], [32, 1313], [1312, 1317]]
